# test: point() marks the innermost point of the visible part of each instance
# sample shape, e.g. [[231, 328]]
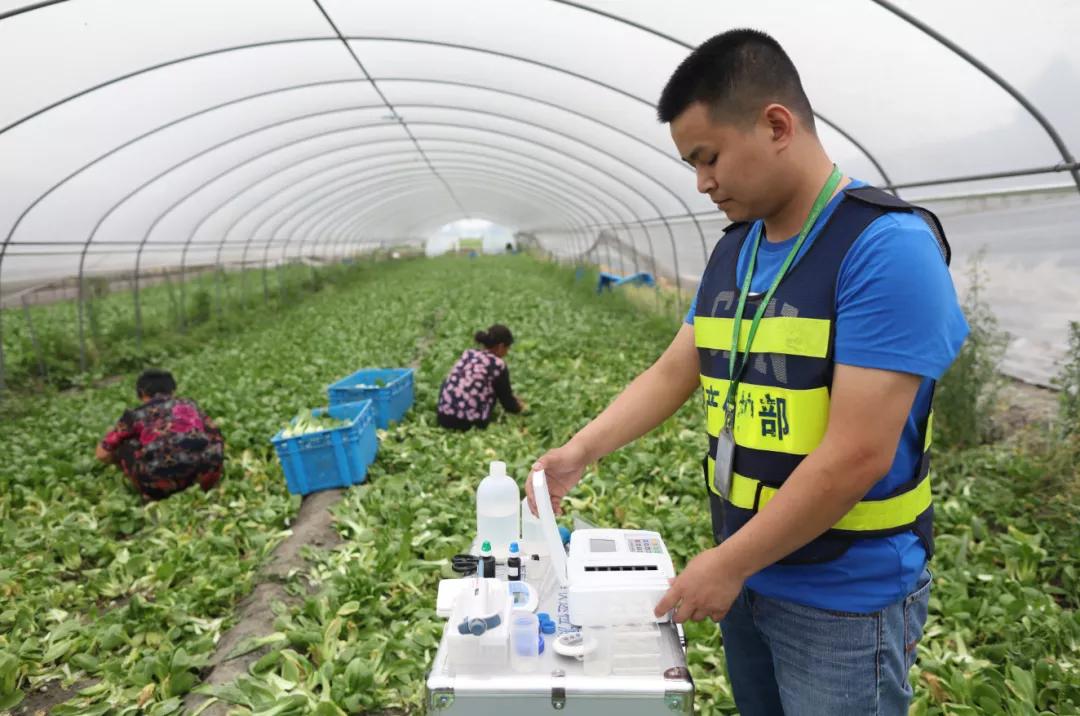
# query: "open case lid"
[[548, 526]]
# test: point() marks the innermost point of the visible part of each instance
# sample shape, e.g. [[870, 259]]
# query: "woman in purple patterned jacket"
[[468, 394]]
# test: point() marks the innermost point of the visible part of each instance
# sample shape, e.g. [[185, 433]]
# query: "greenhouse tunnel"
[[142, 138]]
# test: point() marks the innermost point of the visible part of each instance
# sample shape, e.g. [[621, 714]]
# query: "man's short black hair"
[[155, 382], [736, 73]]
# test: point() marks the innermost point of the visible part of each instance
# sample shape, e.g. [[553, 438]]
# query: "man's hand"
[[650, 399], [704, 590], [563, 467]]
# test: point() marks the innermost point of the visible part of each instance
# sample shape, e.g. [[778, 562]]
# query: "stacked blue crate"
[[337, 457], [391, 389]]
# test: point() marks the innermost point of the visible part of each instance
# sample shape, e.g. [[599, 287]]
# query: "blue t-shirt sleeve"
[[895, 301], [693, 308]]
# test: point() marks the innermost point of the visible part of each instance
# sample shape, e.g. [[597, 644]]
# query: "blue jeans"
[[786, 658]]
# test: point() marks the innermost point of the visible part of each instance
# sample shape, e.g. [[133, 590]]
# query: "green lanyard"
[[815, 211]]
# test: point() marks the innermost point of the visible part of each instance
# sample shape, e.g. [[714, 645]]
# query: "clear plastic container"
[[632, 664], [600, 647], [636, 649], [524, 642], [498, 510], [532, 535]]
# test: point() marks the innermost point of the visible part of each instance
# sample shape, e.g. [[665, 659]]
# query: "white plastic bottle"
[[498, 513]]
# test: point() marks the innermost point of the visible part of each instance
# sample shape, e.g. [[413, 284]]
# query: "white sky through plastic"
[[210, 132]]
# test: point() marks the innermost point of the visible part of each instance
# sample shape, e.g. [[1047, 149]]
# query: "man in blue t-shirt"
[[839, 315]]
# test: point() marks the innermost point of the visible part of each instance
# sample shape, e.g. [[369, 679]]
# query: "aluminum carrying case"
[[559, 683]]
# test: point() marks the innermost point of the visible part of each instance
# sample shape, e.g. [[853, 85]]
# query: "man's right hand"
[[651, 398], [564, 468]]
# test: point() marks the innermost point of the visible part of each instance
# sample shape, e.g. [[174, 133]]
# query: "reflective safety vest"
[[782, 404]]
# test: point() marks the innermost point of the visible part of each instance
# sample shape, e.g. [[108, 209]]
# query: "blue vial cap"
[[543, 617], [565, 534], [513, 548], [547, 627]]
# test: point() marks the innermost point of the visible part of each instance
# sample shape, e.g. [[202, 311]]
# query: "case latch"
[[441, 699], [558, 693], [680, 702]]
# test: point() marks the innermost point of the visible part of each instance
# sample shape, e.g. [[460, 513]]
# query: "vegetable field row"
[[129, 601]]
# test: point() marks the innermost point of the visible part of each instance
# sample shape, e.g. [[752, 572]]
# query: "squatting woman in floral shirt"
[[166, 444], [480, 376]]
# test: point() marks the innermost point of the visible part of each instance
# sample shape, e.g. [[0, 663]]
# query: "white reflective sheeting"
[[138, 134]]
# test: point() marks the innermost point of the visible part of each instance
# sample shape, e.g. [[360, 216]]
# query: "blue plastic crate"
[[338, 457], [392, 400]]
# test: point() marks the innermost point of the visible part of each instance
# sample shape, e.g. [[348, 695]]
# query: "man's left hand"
[[704, 590]]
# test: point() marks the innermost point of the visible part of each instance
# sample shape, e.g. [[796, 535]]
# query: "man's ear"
[[781, 124]]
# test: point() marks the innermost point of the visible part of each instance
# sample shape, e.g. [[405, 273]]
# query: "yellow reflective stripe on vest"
[[770, 418], [929, 431], [865, 516], [807, 337]]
